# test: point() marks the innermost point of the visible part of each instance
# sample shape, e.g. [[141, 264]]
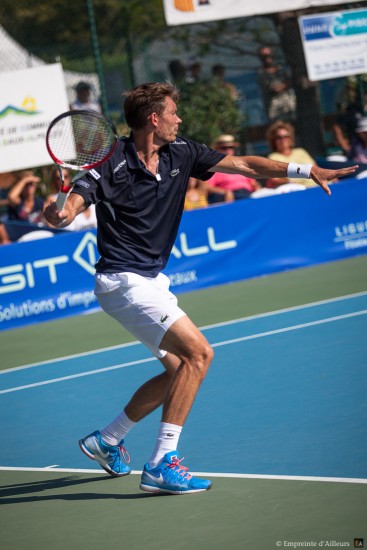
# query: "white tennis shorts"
[[143, 305]]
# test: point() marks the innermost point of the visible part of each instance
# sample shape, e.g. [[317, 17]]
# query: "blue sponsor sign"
[[334, 24], [335, 44], [52, 278]]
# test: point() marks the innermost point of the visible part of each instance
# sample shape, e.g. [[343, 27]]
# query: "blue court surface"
[[285, 396]]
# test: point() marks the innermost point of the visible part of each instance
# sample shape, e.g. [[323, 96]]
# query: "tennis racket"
[[80, 140]]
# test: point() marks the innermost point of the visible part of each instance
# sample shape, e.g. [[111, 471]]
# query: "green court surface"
[[43, 509], [70, 511]]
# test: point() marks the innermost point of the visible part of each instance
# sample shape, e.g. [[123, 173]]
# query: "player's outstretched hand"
[[323, 176]]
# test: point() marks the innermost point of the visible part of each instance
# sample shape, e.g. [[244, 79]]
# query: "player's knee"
[[202, 358]]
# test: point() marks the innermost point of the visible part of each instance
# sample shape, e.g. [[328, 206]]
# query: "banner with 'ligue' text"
[[51, 278]]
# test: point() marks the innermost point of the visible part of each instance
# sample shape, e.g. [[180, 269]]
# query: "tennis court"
[[279, 423]]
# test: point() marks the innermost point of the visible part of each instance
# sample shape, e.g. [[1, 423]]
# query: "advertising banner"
[[183, 12], [29, 100], [52, 278], [335, 44]]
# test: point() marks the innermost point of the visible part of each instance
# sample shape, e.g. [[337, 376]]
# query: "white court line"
[[215, 345], [205, 327], [88, 373], [201, 474]]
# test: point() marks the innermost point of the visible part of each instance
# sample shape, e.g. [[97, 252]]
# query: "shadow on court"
[[29, 492]]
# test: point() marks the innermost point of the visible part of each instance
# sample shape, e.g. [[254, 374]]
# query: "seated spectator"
[[350, 111], [23, 203], [228, 187], [55, 183], [280, 136], [196, 196], [4, 237], [358, 151], [83, 98], [85, 220]]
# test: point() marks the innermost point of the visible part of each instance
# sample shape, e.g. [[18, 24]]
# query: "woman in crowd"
[[228, 187], [23, 202], [281, 138]]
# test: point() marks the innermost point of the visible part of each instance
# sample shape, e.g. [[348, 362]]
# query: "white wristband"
[[295, 171]]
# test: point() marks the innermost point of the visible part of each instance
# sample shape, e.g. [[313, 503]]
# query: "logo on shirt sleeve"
[[95, 174], [174, 172], [84, 184]]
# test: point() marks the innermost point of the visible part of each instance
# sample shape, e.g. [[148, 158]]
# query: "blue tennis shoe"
[[112, 458], [172, 478]]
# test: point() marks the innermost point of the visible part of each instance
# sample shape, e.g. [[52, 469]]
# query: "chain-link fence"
[[231, 48]]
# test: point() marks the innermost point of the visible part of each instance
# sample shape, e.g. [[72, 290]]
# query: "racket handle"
[[61, 200]]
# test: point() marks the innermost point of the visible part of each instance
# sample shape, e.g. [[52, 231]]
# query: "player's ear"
[[153, 119]]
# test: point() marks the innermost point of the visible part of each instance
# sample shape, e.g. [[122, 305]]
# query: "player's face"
[[168, 122]]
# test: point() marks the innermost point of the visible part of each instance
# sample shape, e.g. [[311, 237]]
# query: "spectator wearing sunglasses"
[[281, 138]]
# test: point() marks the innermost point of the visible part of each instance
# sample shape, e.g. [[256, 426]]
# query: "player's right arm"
[[59, 219]]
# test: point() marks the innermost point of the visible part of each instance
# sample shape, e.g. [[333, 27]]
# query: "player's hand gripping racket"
[[80, 140]]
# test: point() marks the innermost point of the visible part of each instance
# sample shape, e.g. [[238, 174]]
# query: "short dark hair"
[[146, 99], [82, 86]]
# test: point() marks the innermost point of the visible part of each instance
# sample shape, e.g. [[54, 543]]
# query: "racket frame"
[[82, 169]]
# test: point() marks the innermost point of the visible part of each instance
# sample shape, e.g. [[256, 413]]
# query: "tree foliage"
[[61, 27], [207, 110]]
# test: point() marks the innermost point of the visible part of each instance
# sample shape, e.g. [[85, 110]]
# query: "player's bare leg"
[[164, 472], [153, 393], [184, 340]]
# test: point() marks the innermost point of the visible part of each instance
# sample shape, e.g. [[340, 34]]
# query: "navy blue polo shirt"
[[139, 214]]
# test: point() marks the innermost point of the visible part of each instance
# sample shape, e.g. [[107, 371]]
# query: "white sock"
[[117, 430], [166, 442]]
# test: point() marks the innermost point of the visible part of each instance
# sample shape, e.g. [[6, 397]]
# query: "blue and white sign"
[[52, 278], [335, 44]]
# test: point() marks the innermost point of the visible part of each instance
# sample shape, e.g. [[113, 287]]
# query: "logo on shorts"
[[164, 318]]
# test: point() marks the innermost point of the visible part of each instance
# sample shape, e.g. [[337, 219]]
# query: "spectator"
[[4, 237], [177, 71], [24, 205], [358, 151], [85, 220], [349, 113], [83, 98], [218, 74], [275, 83], [196, 195], [281, 138], [228, 187], [195, 71]]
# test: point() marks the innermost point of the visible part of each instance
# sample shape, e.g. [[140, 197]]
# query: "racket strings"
[[81, 140]]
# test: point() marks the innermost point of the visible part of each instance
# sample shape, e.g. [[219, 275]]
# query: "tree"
[[61, 27], [207, 111]]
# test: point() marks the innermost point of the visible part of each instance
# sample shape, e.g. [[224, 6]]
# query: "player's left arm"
[[264, 168]]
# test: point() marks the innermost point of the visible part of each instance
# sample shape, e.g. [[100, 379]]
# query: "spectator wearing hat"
[[358, 151], [83, 98], [228, 187]]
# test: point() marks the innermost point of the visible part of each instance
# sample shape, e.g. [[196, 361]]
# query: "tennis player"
[[139, 195]]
